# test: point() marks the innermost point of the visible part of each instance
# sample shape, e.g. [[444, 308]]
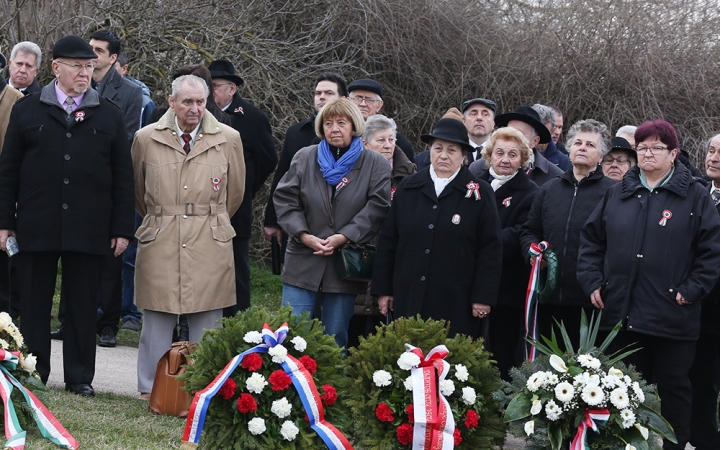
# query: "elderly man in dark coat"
[[65, 202]]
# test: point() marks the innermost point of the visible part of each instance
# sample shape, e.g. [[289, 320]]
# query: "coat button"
[[670, 290], [431, 226], [67, 157], [69, 135], [427, 251], [65, 206], [184, 187], [639, 255], [639, 196], [66, 181], [184, 216], [422, 278], [434, 206], [184, 245]]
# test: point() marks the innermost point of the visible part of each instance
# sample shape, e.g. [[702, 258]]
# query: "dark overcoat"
[[69, 181], [127, 95], [438, 255], [710, 314]]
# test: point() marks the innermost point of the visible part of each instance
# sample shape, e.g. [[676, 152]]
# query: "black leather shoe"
[[107, 338], [58, 334], [81, 389]]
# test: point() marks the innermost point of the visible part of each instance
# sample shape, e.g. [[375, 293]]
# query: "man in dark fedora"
[[527, 121], [66, 193], [260, 161]]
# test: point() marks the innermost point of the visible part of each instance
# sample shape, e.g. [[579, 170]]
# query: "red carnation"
[[329, 396], [246, 404], [457, 436], [404, 434], [410, 410], [227, 391], [471, 419], [309, 364], [279, 380], [384, 413], [252, 362]]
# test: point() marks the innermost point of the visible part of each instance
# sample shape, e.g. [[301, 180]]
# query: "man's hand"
[[385, 302], [119, 244], [682, 301], [269, 232], [4, 235], [596, 299], [480, 310]]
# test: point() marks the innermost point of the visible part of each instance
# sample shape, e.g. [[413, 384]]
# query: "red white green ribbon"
[[473, 190], [49, 426], [667, 214], [434, 422], [593, 417], [531, 300]]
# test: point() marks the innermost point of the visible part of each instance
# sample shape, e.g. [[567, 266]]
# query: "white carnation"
[[564, 391], [256, 426], [408, 383], [536, 381], [628, 418], [278, 353], [638, 392], [253, 337], [529, 427], [256, 383], [447, 387], [468, 395], [29, 363], [408, 360], [461, 372], [619, 398], [289, 430], [299, 343], [382, 378], [552, 410], [588, 361], [281, 408], [593, 395], [536, 407]]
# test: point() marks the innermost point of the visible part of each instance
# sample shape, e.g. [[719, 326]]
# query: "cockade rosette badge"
[[583, 400], [266, 381], [412, 387]]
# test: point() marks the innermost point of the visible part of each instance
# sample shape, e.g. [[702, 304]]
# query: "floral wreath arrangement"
[[267, 396], [402, 399], [20, 406], [560, 396]]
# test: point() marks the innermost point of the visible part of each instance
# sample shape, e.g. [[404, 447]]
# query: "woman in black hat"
[[440, 244]]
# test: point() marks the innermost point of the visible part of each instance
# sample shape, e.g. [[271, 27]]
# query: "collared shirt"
[[714, 192], [662, 182], [19, 89], [192, 134], [62, 96]]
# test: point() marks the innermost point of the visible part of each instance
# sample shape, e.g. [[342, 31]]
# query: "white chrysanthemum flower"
[[382, 378], [536, 407], [619, 398], [588, 362], [281, 408], [5, 320], [256, 383], [638, 392], [529, 427], [627, 380], [18, 339], [257, 426], [29, 363], [408, 383], [558, 364], [299, 343], [615, 372], [551, 379], [253, 337], [581, 379], [4, 344], [628, 418], [408, 360], [593, 395], [461, 372], [468, 395], [643, 431], [564, 391], [552, 410], [447, 387], [536, 381], [611, 381], [593, 380], [278, 354], [288, 430]]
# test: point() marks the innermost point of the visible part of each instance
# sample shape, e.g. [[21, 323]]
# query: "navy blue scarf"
[[334, 171]]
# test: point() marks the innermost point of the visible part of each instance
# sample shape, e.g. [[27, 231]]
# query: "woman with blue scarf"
[[335, 193]]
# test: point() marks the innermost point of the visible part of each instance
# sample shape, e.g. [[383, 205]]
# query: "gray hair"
[[376, 123], [190, 80], [28, 47], [592, 126], [706, 144], [627, 129], [546, 113]]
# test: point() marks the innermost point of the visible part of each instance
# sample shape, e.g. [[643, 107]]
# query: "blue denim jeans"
[[128, 310], [337, 309]]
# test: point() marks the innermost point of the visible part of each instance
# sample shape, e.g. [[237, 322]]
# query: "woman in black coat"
[[559, 211], [507, 155], [650, 253], [440, 244]]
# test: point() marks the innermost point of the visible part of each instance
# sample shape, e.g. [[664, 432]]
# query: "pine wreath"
[[380, 414]]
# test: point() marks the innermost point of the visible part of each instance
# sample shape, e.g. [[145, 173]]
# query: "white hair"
[[190, 80], [627, 129]]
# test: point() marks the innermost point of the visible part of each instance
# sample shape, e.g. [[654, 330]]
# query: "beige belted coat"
[[185, 256]]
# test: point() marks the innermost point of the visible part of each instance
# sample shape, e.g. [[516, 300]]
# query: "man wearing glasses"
[[619, 160], [66, 193], [367, 95]]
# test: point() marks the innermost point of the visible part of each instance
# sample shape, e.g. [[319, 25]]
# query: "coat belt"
[[188, 209]]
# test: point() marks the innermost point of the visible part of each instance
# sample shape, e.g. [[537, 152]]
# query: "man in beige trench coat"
[[189, 181]]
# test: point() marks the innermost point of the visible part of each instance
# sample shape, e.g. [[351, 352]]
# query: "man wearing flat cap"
[[66, 194], [367, 95], [260, 161]]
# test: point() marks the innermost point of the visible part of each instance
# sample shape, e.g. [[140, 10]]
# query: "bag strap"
[[328, 208]]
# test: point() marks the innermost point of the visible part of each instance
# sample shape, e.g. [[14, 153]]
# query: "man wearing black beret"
[[66, 193]]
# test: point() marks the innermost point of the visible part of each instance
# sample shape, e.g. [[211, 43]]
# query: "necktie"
[[187, 138], [69, 103], [715, 196]]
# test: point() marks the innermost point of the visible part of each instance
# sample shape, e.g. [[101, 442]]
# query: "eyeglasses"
[[620, 159], [367, 100], [219, 85], [78, 67], [654, 150]]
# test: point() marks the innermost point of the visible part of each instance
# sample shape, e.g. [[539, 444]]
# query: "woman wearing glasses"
[[650, 252], [620, 159]]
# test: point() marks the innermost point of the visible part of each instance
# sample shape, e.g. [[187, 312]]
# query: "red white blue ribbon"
[[49, 426], [531, 299], [473, 190], [593, 417], [434, 423], [301, 379]]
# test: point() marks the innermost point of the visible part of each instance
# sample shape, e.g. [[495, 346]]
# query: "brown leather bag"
[[167, 396]]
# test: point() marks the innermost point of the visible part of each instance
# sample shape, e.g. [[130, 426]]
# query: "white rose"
[[408, 383], [468, 395], [278, 353], [381, 378], [461, 372], [536, 407], [558, 364], [408, 360], [529, 427], [289, 430], [256, 383], [299, 343], [253, 337], [256, 426], [643, 431], [447, 387], [281, 408], [29, 363]]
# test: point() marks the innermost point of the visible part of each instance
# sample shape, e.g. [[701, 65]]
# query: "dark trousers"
[[110, 295], [241, 253], [568, 315], [665, 362], [9, 296], [506, 338], [705, 381], [81, 274]]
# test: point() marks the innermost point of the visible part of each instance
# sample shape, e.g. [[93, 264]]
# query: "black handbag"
[[355, 262]]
